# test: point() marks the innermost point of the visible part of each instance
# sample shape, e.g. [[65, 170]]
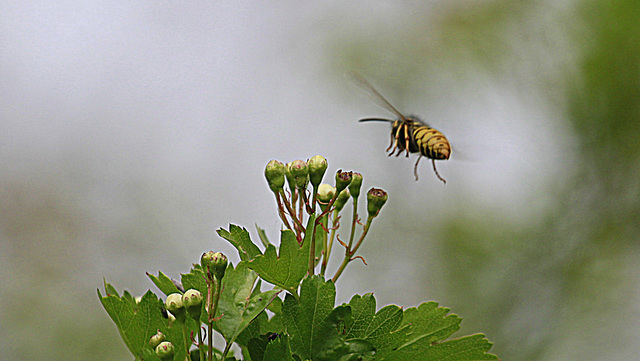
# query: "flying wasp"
[[410, 134]]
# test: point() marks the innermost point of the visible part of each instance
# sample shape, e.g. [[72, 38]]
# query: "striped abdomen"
[[431, 143]]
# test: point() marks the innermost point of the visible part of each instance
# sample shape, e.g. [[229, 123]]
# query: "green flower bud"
[[193, 302], [165, 350], [274, 172], [375, 200], [317, 167], [300, 173], [342, 180], [355, 185], [325, 192], [342, 199], [290, 180], [214, 263], [155, 340], [175, 305]]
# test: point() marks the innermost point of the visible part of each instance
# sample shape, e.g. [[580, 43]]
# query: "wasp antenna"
[[375, 120]]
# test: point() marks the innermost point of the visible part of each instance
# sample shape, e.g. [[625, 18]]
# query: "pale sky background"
[[151, 123]]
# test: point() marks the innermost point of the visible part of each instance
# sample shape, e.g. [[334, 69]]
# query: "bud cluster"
[[324, 202]]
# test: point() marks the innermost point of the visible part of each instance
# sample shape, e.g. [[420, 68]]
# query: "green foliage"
[[238, 306], [286, 269], [136, 321], [307, 325]]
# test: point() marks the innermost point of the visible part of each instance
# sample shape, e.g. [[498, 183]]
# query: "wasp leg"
[[415, 168], [391, 145], [435, 170], [406, 140], [394, 143]]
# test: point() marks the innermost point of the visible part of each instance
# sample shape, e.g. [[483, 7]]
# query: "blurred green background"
[[130, 132]]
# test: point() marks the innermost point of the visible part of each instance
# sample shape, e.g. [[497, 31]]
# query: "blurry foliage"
[[544, 287]]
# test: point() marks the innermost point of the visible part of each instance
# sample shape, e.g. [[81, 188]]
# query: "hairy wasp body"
[[411, 135]]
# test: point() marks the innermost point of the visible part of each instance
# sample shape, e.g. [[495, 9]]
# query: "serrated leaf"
[[370, 326], [257, 346], [278, 350], [270, 347], [316, 329], [287, 268], [136, 322], [164, 283], [428, 322], [237, 307], [422, 335], [263, 236], [240, 239], [195, 280], [109, 289], [469, 348]]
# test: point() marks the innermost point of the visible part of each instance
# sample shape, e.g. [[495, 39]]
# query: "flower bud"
[[165, 351], [342, 180], [155, 340], [274, 172], [193, 302], [300, 173], [214, 263], [290, 180], [355, 185], [375, 200], [325, 192], [342, 199], [175, 305], [317, 166]]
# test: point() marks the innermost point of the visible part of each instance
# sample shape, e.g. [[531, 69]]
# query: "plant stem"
[[329, 246], [186, 340], [212, 318], [299, 227], [348, 254], [312, 253], [200, 344], [354, 219], [212, 308], [305, 199], [281, 211]]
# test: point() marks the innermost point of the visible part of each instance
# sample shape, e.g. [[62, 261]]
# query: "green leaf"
[[428, 322], [196, 280], [278, 350], [422, 335], [137, 322], [270, 347], [263, 236], [164, 283], [316, 328], [237, 307], [287, 269], [239, 238], [370, 326], [469, 348]]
